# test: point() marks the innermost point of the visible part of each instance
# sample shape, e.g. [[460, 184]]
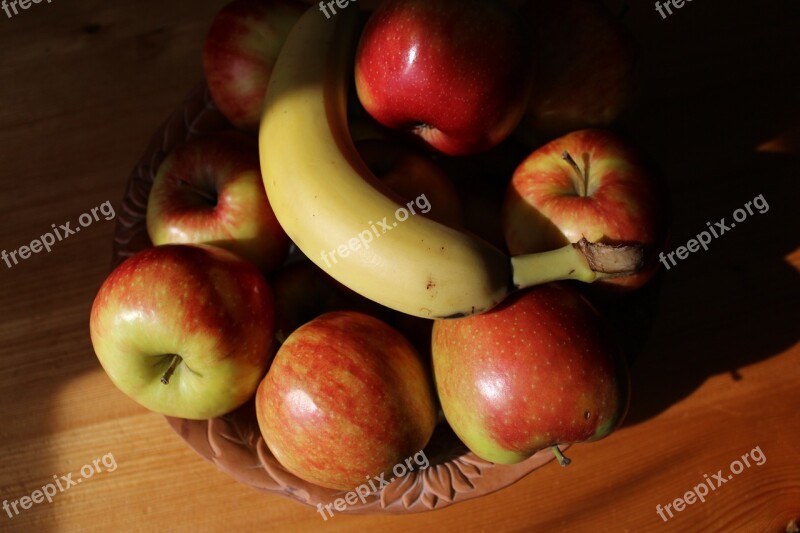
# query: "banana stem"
[[583, 261]]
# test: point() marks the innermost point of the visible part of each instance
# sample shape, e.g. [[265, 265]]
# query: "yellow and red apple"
[[346, 398], [239, 52], [209, 190], [588, 184], [184, 330]]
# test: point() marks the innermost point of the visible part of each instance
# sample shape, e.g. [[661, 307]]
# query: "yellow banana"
[[351, 225]]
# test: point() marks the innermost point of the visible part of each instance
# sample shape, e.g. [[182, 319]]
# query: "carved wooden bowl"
[[234, 443]]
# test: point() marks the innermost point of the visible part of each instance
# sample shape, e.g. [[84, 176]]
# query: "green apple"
[[184, 330]]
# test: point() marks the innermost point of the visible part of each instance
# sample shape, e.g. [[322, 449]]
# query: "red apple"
[[185, 331], [604, 190], [452, 72], [481, 181], [210, 191], [539, 370], [239, 52], [412, 175], [304, 291], [346, 398], [583, 62]]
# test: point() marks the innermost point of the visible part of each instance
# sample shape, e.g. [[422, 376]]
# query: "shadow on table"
[[722, 118]]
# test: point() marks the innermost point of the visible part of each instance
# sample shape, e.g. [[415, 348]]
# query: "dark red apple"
[[539, 370], [346, 398], [452, 72], [583, 58], [240, 49], [591, 184], [303, 291], [412, 175]]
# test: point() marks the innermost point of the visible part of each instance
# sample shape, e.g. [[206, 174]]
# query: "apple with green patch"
[[540, 370], [184, 330]]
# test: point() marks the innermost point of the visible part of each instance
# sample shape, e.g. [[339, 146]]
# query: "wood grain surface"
[[83, 86]]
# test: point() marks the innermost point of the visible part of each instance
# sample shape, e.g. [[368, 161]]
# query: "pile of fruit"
[[428, 165]]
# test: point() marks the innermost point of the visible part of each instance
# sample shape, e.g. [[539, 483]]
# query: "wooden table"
[[84, 84]]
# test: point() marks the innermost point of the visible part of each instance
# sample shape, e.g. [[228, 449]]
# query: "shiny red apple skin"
[[541, 369], [346, 398], [226, 167], [584, 60], [239, 52], [202, 303], [454, 73], [626, 200]]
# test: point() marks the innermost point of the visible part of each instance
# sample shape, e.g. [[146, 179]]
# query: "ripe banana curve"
[[325, 197]]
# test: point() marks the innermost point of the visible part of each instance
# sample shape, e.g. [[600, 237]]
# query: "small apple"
[[430, 69], [239, 52], [583, 61], [184, 330], [346, 398], [539, 370], [209, 190], [410, 175], [591, 184], [481, 181], [304, 291]]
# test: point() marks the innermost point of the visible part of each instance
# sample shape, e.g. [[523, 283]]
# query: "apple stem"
[[205, 195], [562, 460], [176, 359], [583, 177]]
